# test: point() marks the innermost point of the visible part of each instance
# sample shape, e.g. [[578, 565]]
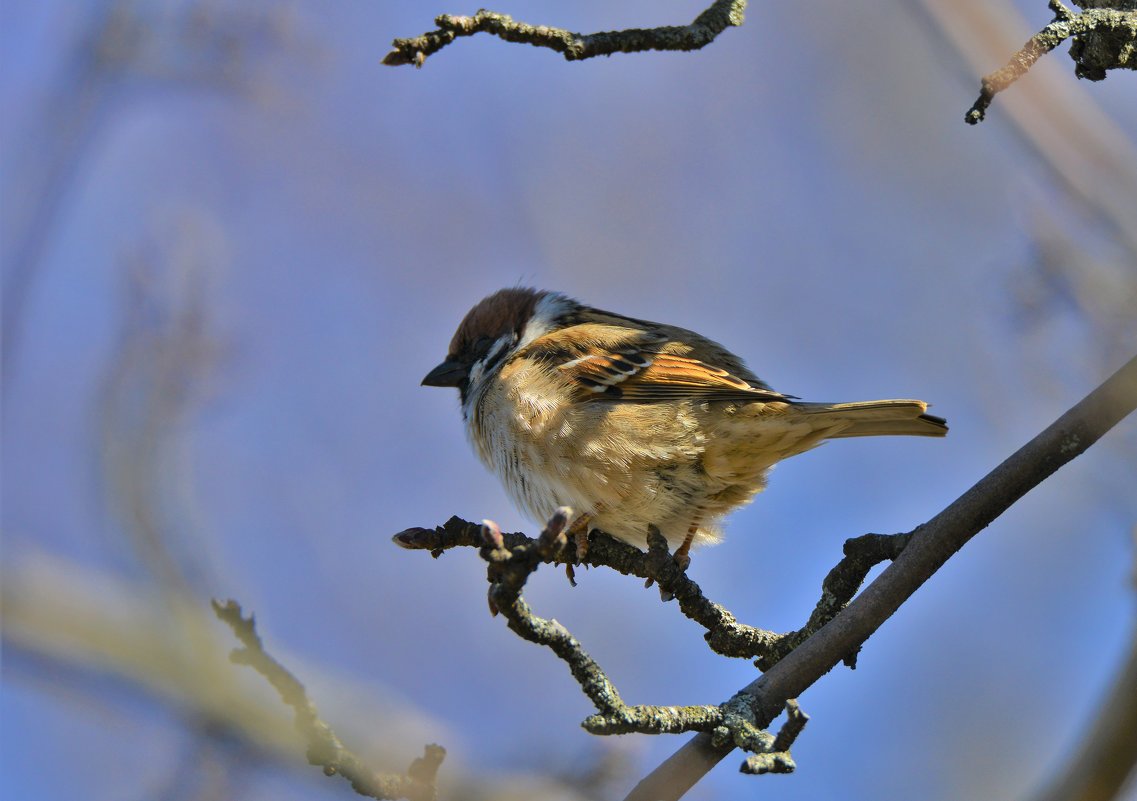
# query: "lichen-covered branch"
[[509, 569], [573, 46], [512, 558], [862, 554], [725, 635], [324, 747], [1104, 39]]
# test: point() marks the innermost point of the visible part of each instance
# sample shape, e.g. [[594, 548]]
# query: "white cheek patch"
[[478, 379], [548, 310], [476, 370], [496, 348]]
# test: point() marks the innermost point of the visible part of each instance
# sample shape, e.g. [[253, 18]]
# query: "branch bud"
[[491, 535]]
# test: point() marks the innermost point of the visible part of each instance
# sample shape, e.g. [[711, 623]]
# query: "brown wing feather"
[[614, 362], [671, 377]]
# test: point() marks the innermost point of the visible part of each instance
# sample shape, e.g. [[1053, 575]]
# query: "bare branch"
[[324, 747], [725, 635], [1094, 25], [509, 569], [932, 544], [777, 759], [574, 46]]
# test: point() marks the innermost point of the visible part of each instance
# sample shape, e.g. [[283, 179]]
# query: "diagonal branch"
[[931, 546], [574, 46]]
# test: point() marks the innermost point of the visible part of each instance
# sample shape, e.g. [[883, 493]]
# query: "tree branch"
[[574, 46], [725, 635], [932, 544], [1104, 38], [510, 568], [1106, 758], [324, 747]]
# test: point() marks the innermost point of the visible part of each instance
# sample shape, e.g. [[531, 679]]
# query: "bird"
[[635, 425]]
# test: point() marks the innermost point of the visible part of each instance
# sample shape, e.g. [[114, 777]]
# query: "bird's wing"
[[609, 362]]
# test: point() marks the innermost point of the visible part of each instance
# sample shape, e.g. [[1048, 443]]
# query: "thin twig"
[[574, 46], [324, 747]]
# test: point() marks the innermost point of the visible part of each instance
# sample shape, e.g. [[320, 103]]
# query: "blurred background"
[[233, 243]]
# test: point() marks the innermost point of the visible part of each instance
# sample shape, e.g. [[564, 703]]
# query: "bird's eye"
[[481, 347]]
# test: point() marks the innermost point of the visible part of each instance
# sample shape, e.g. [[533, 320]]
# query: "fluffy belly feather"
[[627, 477]]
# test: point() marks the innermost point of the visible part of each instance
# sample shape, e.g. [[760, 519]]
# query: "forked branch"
[[731, 722]]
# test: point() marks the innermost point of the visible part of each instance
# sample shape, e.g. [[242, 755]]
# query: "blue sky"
[[251, 241]]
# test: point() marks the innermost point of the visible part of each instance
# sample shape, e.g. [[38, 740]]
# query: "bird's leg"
[[681, 556], [578, 530]]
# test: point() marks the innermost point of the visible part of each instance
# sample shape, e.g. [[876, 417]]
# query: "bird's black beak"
[[447, 374]]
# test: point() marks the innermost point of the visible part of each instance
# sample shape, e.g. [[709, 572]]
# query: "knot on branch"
[[510, 567], [769, 753], [1109, 43]]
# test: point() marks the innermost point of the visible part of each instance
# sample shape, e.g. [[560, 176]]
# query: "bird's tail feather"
[[879, 418]]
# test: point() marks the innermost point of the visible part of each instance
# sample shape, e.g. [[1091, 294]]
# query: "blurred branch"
[[81, 624], [167, 648], [1091, 60], [127, 49], [1061, 280], [1090, 156], [324, 747], [574, 46], [158, 377], [1107, 755], [931, 546], [1097, 771], [164, 647]]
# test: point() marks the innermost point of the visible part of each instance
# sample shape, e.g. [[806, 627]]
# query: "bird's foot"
[[578, 531]]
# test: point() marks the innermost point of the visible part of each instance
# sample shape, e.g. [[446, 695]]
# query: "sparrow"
[[632, 423]]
